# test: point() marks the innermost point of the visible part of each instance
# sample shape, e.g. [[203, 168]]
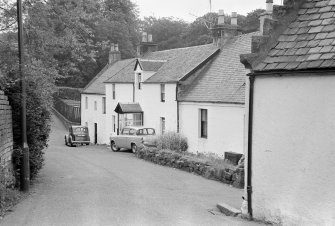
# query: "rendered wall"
[[91, 116], [225, 127], [294, 150], [149, 98], [123, 94]]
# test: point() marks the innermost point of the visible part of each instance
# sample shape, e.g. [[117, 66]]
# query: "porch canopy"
[[125, 108]]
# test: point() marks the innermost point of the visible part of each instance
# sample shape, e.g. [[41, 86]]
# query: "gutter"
[[250, 124]]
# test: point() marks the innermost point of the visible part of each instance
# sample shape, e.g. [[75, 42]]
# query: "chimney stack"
[[266, 15], [221, 17], [233, 18], [146, 45], [114, 54]]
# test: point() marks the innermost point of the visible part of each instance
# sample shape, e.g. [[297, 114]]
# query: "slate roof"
[[97, 86], [178, 63], [150, 65], [308, 42], [222, 80], [123, 108]]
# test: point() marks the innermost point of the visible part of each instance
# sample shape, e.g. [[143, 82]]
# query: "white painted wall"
[[123, 94], [149, 98], [91, 116], [294, 150], [225, 127]]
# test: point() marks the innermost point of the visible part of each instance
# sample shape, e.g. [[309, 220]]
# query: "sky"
[[189, 10]]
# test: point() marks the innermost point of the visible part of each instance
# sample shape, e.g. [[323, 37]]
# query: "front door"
[[95, 133]]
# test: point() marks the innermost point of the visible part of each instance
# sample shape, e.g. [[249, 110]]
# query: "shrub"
[[68, 93], [38, 125], [172, 141]]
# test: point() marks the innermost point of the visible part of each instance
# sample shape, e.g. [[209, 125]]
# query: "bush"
[[68, 93], [172, 141], [38, 125]]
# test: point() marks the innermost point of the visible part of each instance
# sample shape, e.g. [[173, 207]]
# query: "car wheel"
[[66, 142], [113, 146], [71, 144], [134, 148]]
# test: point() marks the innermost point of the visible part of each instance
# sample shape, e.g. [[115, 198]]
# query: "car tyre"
[[134, 148], [71, 144], [114, 147], [66, 142]]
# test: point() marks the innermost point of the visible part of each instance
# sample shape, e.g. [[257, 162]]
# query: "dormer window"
[[139, 80]]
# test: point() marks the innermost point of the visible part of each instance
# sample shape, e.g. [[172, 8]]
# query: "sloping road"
[[94, 186]]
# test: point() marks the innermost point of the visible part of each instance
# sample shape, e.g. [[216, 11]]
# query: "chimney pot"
[[234, 18], [269, 6], [221, 17], [114, 54], [144, 37], [149, 37]]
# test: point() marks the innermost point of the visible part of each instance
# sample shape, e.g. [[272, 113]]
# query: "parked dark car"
[[133, 138], [77, 135]]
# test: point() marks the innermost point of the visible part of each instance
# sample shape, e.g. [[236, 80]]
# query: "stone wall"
[[6, 142], [233, 176]]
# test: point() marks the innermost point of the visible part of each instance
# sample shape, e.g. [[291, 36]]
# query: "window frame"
[[162, 92], [203, 120], [95, 105], [163, 124], [113, 91], [139, 81], [103, 105]]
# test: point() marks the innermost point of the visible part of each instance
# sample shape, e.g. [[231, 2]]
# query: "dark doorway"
[[95, 133]]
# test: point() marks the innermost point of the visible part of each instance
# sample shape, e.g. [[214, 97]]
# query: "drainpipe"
[[177, 107], [249, 174]]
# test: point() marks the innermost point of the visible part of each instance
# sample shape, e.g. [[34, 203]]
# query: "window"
[[203, 123], [151, 131], [114, 123], [104, 105], [125, 131], [139, 80], [113, 89], [95, 105], [86, 102], [162, 125], [162, 92]]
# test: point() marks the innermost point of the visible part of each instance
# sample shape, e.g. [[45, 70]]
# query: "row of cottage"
[[197, 91], [281, 116]]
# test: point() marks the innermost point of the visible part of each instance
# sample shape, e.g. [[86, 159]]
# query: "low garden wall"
[[227, 174]]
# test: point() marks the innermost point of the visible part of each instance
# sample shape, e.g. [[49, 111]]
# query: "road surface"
[[91, 185]]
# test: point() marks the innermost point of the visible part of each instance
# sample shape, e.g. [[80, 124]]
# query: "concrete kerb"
[[228, 210]]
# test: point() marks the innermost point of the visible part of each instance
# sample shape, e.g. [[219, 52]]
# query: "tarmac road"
[[91, 185]]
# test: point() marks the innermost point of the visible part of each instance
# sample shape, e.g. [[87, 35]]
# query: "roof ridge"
[[182, 48]]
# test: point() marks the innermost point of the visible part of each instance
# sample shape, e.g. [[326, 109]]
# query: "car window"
[[140, 132], [145, 132], [132, 132], [80, 129], [125, 131], [151, 131]]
